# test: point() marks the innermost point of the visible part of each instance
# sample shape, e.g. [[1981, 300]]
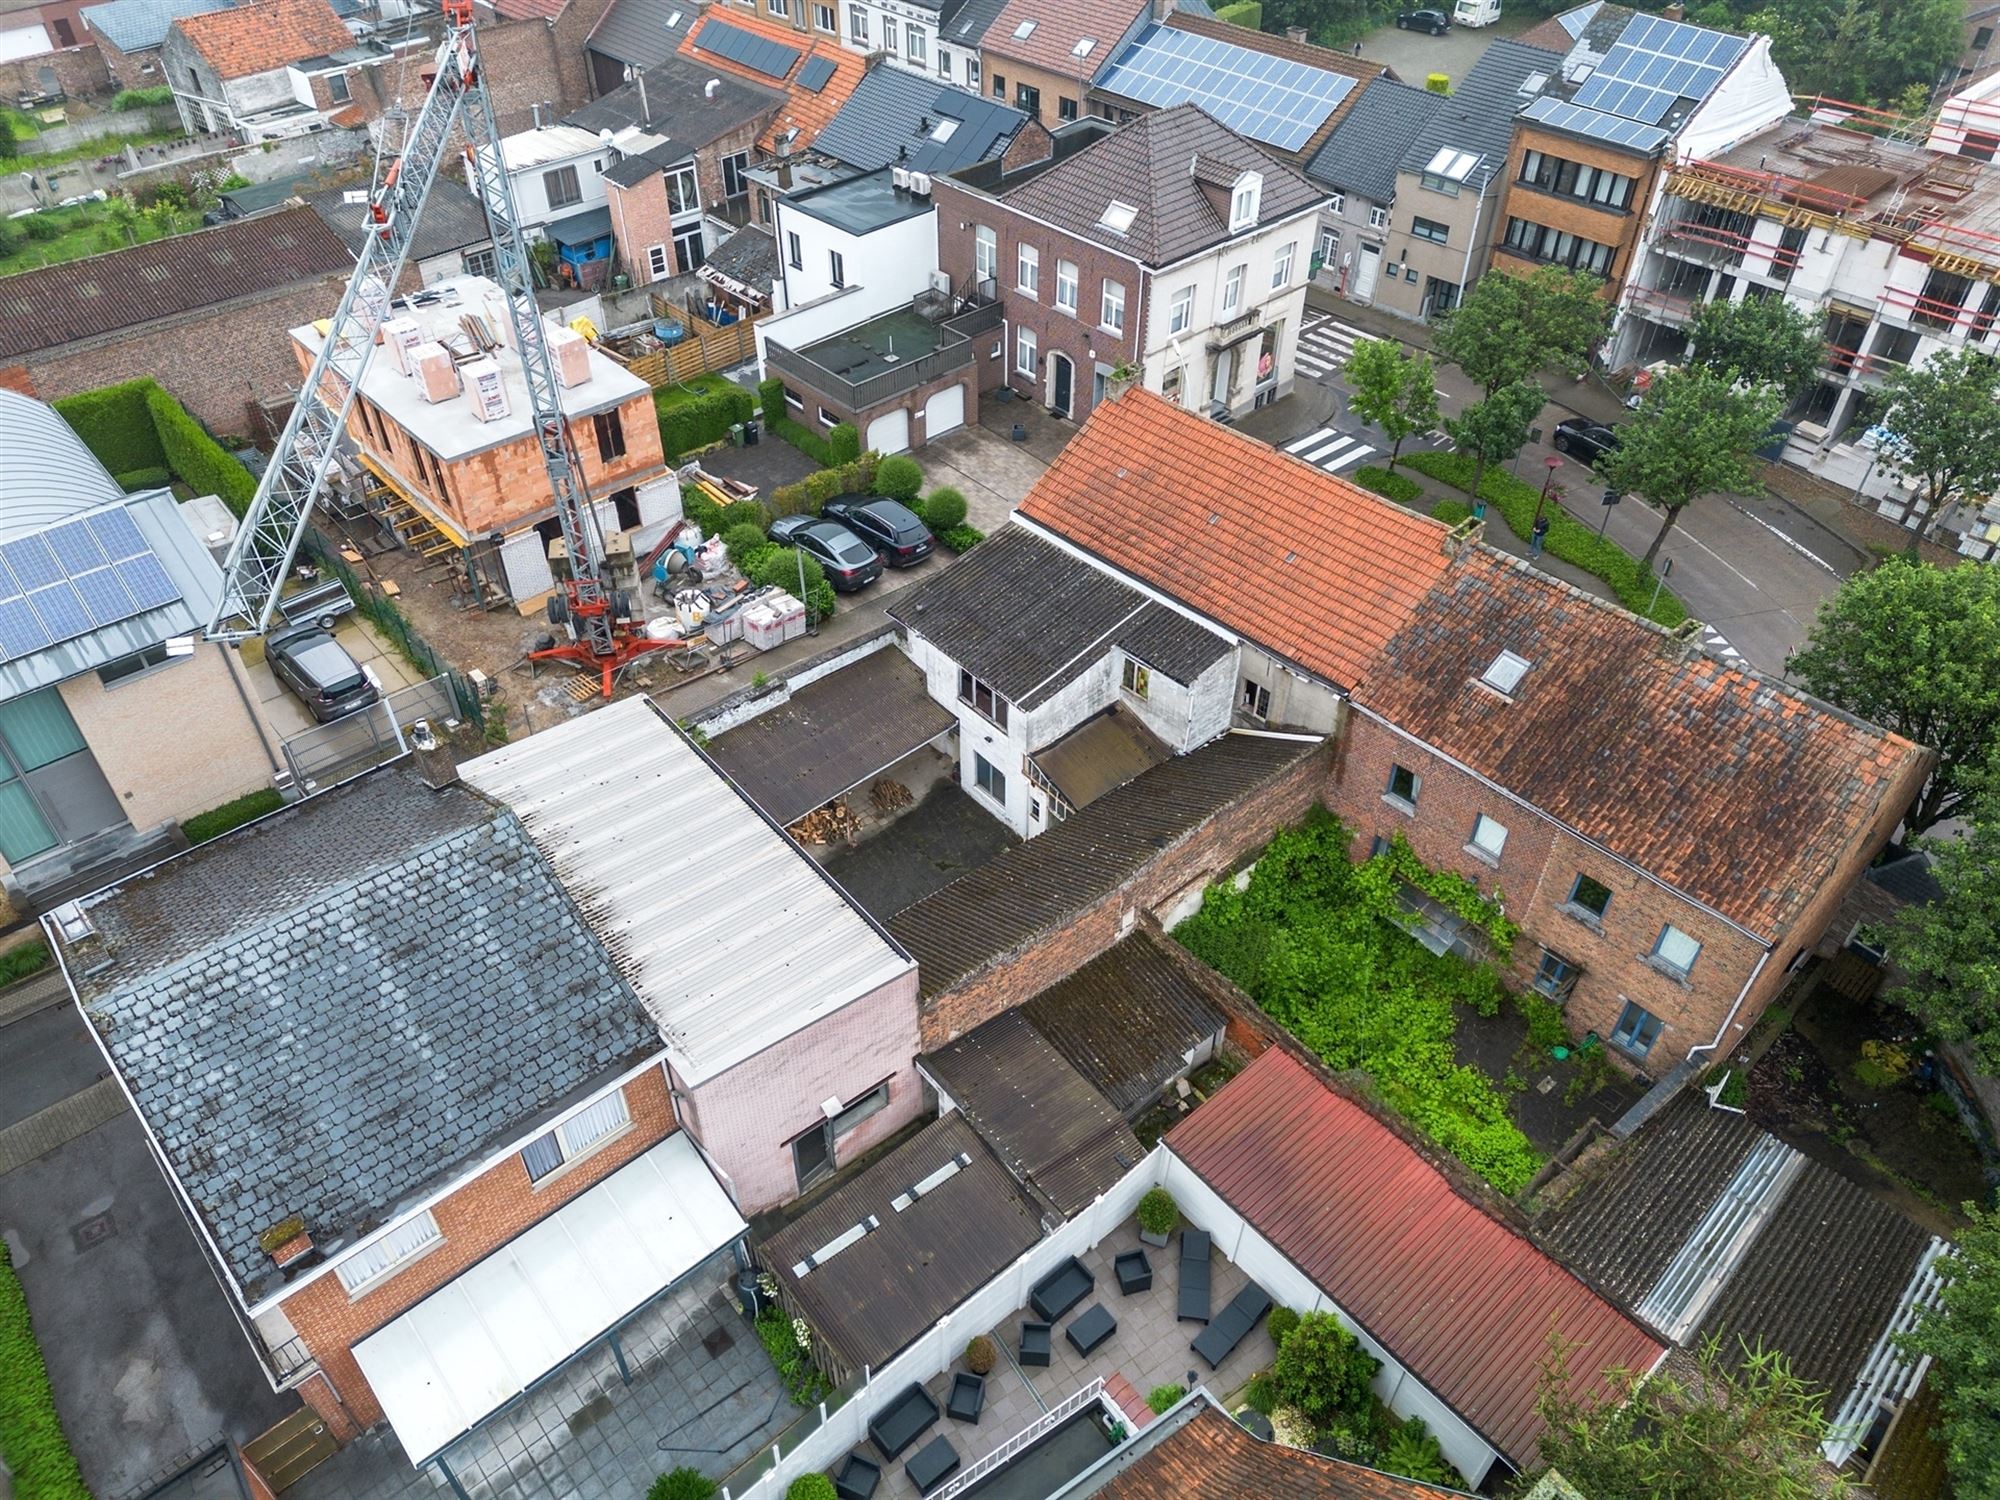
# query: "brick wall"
[[1619, 229], [1193, 860], [912, 402], [640, 220], [475, 1221], [80, 70], [131, 70], [1054, 87]]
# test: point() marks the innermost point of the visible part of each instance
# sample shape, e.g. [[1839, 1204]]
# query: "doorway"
[[1364, 278], [1222, 378], [1062, 384], [812, 1155]]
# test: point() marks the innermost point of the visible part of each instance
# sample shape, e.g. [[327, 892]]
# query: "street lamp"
[[1541, 526]]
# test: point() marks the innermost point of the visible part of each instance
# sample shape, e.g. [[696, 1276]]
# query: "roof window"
[[1454, 166], [853, 1234], [673, 20], [1506, 672], [1534, 83], [1118, 216], [932, 1183], [944, 130], [1025, 30], [1082, 49]]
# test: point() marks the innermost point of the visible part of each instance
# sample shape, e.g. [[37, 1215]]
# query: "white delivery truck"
[[1475, 12]]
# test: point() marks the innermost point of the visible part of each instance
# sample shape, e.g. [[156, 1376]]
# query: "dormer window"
[[1506, 672], [1244, 200]]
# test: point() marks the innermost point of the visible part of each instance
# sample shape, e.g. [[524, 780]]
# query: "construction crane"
[[268, 541]]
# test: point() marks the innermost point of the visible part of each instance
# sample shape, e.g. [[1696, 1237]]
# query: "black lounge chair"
[[902, 1421], [1135, 1272], [932, 1464], [857, 1478], [1060, 1290], [1194, 1297], [1092, 1329], [968, 1397], [1035, 1344], [1219, 1340]]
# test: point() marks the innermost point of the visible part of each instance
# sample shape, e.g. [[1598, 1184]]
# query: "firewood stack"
[[826, 825]]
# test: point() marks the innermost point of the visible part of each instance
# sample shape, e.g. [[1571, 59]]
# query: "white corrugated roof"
[[729, 933], [47, 473], [536, 148]]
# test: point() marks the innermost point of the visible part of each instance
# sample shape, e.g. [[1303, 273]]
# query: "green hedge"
[[140, 433], [808, 442], [1568, 539], [1243, 13], [31, 1435], [961, 538], [116, 424], [1389, 484], [156, 478], [217, 821], [694, 422], [200, 462], [153, 98]]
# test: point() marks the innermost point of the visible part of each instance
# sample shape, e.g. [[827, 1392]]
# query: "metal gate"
[[329, 753]]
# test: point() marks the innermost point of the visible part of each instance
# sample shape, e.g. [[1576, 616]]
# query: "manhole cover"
[[718, 1341], [93, 1231]]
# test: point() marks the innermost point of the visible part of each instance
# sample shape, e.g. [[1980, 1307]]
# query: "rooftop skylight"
[[1118, 216], [1506, 672]]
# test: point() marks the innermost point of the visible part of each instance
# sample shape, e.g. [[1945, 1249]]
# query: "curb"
[[38, 992]]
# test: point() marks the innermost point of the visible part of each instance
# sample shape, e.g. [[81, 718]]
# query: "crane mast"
[[268, 540]]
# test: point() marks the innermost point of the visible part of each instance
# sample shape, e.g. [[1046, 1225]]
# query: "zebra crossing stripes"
[[1324, 345], [1329, 450]]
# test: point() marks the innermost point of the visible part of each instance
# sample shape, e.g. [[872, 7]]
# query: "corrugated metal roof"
[[732, 937], [1041, 1116], [1460, 1300], [1035, 887], [47, 472], [1100, 755]]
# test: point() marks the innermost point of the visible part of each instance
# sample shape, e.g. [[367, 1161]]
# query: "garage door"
[[944, 412], [890, 432]]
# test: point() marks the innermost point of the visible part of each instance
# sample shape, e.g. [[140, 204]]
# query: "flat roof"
[[882, 343], [730, 934], [861, 205], [450, 429]]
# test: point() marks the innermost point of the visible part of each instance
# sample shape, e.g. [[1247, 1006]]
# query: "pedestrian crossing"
[[1329, 450], [1324, 344]]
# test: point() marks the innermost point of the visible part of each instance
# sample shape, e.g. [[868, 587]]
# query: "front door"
[[1364, 277], [812, 1155], [1062, 378]]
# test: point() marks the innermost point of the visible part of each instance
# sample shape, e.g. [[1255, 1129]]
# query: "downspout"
[[1762, 959], [1478, 213]]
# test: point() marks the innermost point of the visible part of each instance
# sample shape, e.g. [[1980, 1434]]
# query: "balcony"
[[887, 356]]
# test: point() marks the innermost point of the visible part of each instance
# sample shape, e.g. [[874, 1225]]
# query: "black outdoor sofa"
[[903, 1421], [857, 1478], [1060, 1290], [1217, 1341], [1193, 1306]]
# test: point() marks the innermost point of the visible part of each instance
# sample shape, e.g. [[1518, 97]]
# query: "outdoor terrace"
[[891, 353]]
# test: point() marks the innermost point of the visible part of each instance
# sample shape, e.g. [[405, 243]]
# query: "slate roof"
[[141, 25], [1734, 788], [637, 33], [1463, 1302], [1034, 888], [265, 35], [831, 735], [182, 274], [750, 256], [1126, 1021], [528, 10], [1060, 25], [681, 109], [1364, 151], [1145, 164], [1028, 619], [1055, 1132], [1318, 571], [875, 1297], [893, 116], [452, 219], [805, 110], [972, 20], [1479, 115], [343, 1006]]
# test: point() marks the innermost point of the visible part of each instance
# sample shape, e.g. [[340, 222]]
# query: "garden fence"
[[382, 612], [328, 753]]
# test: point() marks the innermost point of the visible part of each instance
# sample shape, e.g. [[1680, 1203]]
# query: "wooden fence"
[[708, 346]]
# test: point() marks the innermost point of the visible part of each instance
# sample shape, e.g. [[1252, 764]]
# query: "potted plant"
[[1157, 1214], [979, 1355]]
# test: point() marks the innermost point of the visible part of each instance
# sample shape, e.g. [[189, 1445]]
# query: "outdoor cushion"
[[1219, 1340], [968, 1397], [857, 1478], [1135, 1272], [1092, 1329], [1194, 1295], [1060, 1290], [932, 1464], [1035, 1346], [902, 1421]]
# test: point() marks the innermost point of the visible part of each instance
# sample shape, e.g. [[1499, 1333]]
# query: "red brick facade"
[[475, 1220], [641, 219]]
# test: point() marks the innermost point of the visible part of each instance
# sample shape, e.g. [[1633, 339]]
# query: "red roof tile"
[[1213, 1457], [1463, 1302], [1316, 570], [261, 37], [1058, 27], [805, 109]]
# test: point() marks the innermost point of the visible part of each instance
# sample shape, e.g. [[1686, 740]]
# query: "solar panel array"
[[760, 54], [1269, 99], [67, 581], [1594, 124], [1654, 63], [816, 74]]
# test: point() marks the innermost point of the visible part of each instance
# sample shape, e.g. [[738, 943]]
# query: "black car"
[[850, 563], [1585, 439], [1436, 22], [309, 661], [889, 525]]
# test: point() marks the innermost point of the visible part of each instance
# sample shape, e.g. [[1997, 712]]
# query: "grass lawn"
[[670, 396], [87, 229], [104, 145], [18, 123]]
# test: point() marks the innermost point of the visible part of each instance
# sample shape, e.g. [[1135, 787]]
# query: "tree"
[[1962, 1334], [1945, 414], [1862, 51], [1394, 389], [1915, 649], [1322, 1369], [1762, 340], [1693, 435], [1493, 430], [1725, 1434], [1510, 328]]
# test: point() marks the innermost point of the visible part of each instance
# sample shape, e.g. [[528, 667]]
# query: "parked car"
[[850, 563], [1436, 22], [889, 525], [309, 661], [1582, 438]]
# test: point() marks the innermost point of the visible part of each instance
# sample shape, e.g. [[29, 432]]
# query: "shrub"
[[219, 820], [1261, 1394], [699, 507], [771, 398], [1389, 485], [47, 226], [811, 1487], [1438, 83], [843, 442], [1161, 1397], [779, 567], [1283, 1321], [1883, 1065], [943, 509], [1292, 1427], [117, 426], [743, 513], [1248, 13], [1157, 1212], [1546, 1027], [743, 543], [1323, 1371], [899, 478], [791, 500], [1413, 1453], [694, 422], [157, 477], [811, 444], [31, 1435], [153, 98], [827, 484], [961, 538], [980, 1355], [198, 460], [781, 1339], [682, 1484], [18, 963]]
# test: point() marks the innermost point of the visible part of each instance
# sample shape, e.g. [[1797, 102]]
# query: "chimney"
[[286, 1240], [1295, 33], [1675, 11], [431, 757], [1162, 9], [536, 111], [784, 163]]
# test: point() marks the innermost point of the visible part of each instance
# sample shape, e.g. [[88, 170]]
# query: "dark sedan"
[[310, 662], [891, 526], [849, 562], [1436, 22], [1582, 438]]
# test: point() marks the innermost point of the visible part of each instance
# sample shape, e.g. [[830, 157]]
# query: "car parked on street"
[[848, 561], [1436, 22], [309, 661], [1580, 437], [891, 526]]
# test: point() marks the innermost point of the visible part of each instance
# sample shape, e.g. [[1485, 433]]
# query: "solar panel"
[[1655, 63], [62, 612], [21, 632], [816, 74], [1595, 125], [76, 548], [117, 533], [71, 579], [1270, 99], [32, 562], [759, 54], [147, 581]]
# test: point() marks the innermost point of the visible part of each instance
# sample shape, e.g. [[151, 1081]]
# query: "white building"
[[914, 37], [556, 172]]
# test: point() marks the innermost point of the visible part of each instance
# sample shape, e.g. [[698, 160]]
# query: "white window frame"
[[1232, 288], [658, 262], [1489, 836], [943, 61], [1066, 286], [1111, 312], [1244, 199], [1180, 310], [972, 74], [985, 253], [826, 18], [1281, 265], [782, 9], [916, 43], [1027, 353], [1378, 216], [1028, 270], [582, 1133], [857, 24], [362, 1270]]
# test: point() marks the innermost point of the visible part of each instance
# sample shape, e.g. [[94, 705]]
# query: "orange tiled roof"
[[1291, 557], [1057, 27], [261, 37], [805, 110], [1212, 1455]]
